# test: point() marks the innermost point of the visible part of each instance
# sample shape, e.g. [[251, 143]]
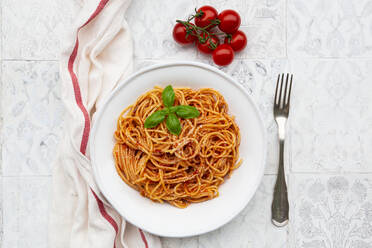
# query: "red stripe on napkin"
[[105, 214], [75, 83], [143, 238]]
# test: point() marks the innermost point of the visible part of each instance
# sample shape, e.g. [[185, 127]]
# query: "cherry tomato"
[[209, 14], [230, 21], [179, 34], [238, 41], [223, 55], [209, 45]]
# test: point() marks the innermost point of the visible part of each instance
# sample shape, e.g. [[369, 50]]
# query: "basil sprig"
[[171, 113]]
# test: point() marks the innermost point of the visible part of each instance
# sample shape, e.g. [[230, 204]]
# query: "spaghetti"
[[177, 169]]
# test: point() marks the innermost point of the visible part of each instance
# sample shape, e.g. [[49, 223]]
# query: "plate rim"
[[120, 85]]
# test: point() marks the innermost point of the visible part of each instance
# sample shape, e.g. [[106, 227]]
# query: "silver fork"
[[280, 206]]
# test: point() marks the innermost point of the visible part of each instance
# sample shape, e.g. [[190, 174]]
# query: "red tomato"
[[207, 47], [238, 41], [230, 21], [179, 34], [209, 14], [223, 55]]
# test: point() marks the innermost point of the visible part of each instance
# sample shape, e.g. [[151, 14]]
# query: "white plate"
[[164, 219]]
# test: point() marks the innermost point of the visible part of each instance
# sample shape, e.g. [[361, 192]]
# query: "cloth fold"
[[97, 54]]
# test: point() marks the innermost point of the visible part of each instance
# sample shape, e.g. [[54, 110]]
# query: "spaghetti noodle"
[[177, 169]]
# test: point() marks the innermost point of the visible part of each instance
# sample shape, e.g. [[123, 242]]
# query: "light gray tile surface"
[[328, 28], [331, 118], [1, 213], [32, 29], [25, 211], [32, 114], [330, 211], [192, 242]]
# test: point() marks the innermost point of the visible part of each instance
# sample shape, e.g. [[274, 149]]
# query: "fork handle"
[[280, 206]]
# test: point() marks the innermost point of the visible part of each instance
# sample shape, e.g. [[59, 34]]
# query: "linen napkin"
[[97, 54]]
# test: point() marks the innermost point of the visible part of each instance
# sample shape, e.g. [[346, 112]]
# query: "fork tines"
[[279, 101]]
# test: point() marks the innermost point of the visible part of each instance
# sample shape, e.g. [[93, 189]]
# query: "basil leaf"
[[173, 109], [155, 119], [187, 112], [168, 96], [173, 124]]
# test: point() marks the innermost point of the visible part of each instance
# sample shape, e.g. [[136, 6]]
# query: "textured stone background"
[[327, 44]]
